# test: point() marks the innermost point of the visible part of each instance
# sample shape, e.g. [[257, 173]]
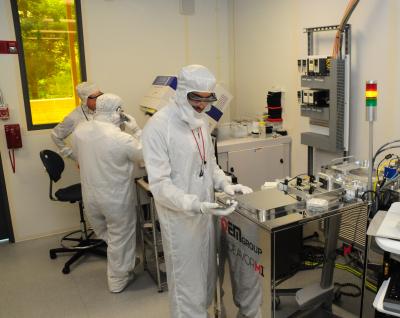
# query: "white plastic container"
[[224, 131], [316, 205], [269, 185], [275, 125], [238, 130]]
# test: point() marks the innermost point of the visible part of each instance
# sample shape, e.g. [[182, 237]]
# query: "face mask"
[[197, 114], [195, 107], [116, 119]]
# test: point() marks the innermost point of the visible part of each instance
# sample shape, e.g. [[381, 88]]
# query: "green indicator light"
[[371, 102]]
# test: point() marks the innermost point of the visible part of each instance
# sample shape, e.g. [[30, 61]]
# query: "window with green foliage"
[[48, 33]]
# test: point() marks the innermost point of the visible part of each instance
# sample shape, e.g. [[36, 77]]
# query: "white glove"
[[68, 153], [232, 188], [131, 123], [72, 156], [215, 208]]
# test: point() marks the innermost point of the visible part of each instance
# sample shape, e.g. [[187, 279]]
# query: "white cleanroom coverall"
[[106, 158], [79, 114], [181, 183]]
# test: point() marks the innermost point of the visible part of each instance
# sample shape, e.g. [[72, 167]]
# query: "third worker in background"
[[88, 93], [183, 175]]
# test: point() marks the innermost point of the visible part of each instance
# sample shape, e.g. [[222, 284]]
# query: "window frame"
[[22, 66]]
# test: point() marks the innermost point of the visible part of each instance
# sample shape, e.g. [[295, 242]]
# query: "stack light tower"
[[371, 103]]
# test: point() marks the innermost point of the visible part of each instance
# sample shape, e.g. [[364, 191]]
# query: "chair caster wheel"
[[65, 270], [53, 255]]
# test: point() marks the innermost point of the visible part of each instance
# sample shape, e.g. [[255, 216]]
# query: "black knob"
[[281, 161]]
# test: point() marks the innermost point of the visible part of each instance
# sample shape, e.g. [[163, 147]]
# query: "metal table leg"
[[141, 225], [153, 221]]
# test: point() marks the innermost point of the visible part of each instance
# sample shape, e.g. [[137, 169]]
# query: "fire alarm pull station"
[[14, 141], [8, 47], [4, 113]]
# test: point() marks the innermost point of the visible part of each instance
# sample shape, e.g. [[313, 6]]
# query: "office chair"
[[80, 241]]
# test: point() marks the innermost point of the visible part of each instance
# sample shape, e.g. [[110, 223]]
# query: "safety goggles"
[[120, 111], [95, 96], [197, 98]]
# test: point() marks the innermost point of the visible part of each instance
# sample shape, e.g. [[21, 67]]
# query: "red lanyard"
[[202, 155]]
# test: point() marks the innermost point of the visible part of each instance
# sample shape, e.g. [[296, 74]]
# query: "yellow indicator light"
[[371, 94]]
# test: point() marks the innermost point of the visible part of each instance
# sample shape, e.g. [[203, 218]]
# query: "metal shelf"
[[315, 112], [151, 238], [317, 82], [325, 28], [148, 237]]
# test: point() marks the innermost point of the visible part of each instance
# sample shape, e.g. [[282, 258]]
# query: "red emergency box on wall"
[[8, 47]]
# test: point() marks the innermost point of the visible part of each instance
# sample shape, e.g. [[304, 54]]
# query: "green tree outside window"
[[51, 51]]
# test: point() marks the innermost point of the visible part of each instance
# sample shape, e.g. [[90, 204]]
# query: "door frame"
[[4, 206]]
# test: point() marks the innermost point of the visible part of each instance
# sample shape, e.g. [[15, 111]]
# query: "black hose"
[[340, 291]]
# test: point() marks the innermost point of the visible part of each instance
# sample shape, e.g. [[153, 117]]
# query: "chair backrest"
[[53, 163]]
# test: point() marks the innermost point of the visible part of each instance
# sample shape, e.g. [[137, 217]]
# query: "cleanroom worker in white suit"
[[106, 158], [88, 93], [183, 175]]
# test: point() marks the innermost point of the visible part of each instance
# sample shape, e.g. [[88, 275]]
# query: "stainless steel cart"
[[261, 277]]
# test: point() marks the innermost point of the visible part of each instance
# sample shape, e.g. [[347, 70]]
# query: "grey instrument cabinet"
[[256, 160]]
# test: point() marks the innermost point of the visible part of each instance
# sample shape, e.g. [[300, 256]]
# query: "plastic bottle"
[[261, 128]]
